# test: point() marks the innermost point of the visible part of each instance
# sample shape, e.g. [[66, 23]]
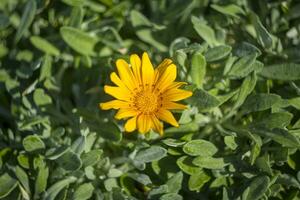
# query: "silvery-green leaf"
[[197, 180], [186, 165], [284, 72], [54, 189], [78, 40], [8, 184], [257, 188], [200, 147], [27, 18], [230, 10], [204, 31], [198, 69], [217, 53], [151, 154], [209, 162], [32, 143], [44, 45], [83, 192]]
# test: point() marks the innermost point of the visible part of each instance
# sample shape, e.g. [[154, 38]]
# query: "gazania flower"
[[145, 95]]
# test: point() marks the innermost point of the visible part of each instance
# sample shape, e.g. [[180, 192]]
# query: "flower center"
[[147, 101]]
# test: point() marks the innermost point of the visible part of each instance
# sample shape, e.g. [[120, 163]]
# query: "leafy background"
[[239, 138]]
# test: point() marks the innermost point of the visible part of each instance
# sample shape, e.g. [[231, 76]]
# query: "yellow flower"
[[145, 95]]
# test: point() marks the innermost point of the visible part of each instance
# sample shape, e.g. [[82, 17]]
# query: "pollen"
[[147, 102]]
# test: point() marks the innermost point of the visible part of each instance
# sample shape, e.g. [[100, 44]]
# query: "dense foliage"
[[238, 139]]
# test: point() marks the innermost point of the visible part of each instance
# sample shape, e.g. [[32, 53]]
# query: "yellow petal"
[[114, 104], [147, 70], [130, 125], [136, 64], [157, 125], [176, 94], [125, 112], [117, 92], [172, 105], [167, 116], [161, 68], [126, 74], [175, 85], [116, 80], [144, 123], [164, 64], [166, 78]]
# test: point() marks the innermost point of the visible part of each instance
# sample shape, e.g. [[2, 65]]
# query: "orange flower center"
[[147, 101]]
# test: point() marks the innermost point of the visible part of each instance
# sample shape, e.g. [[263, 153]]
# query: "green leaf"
[[186, 165], [288, 180], [230, 10], [184, 128], [196, 181], [8, 184], [23, 179], [27, 18], [113, 173], [54, 153], [200, 147], [259, 102], [204, 31], [181, 57], [78, 145], [144, 31], [70, 161], [175, 182], [151, 154], [280, 136], [198, 69], [110, 131], [23, 160], [41, 98], [46, 68], [33, 143], [41, 181], [76, 17], [110, 183], [295, 102], [53, 191], [263, 36], [4, 23], [173, 142], [217, 53], [284, 72], [243, 66], [141, 178], [162, 189], [75, 3], [171, 196], [203, 100], [246, 88], [258, 187], [44, 45], [230, 142], [275, 120], [83, 192], [244, 49], [78, 40], [263, 163], [209, 162], [91, 158]]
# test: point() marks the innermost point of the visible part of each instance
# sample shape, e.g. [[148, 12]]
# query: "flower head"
[[145, 95]]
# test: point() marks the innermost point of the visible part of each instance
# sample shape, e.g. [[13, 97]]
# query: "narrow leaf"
[[27, 18], [198, 69]]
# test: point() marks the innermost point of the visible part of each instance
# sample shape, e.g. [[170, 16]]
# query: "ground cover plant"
[[237, 138]]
